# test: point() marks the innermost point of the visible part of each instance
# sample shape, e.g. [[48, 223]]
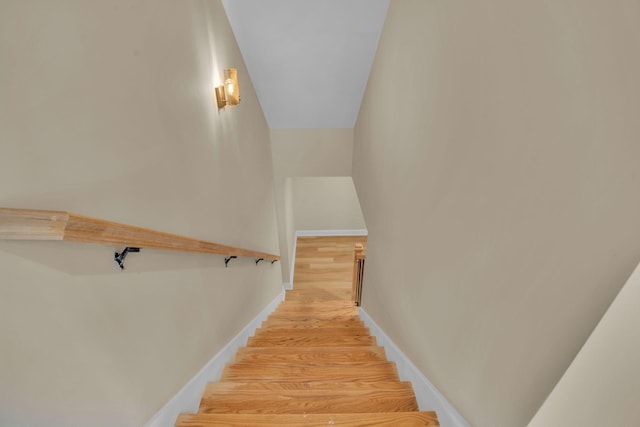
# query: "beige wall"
[[106, 109], [325, 203], [305, 153], [495, 158], [602, 385]]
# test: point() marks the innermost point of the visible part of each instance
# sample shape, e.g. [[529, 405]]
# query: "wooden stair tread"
[[311, 332], [337, 310], [312, 341], [322, 365], [329, 295], [311, 324], [393, 419], [323, 303], [297, 318], [319, 294], [231, 386], [303, 372], [329, 311], [310, 354], [342, 263], [312, 316], [324, 278], [315, 401], [319, 307]]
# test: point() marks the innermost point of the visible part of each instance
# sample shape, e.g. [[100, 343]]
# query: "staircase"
[[312, 363]]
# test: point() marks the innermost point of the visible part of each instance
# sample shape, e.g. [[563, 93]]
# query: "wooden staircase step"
[[311, 324], [342, 294], [345, 263], [233, 386], [312, 341], [316, 401], [326, 303], [317, 294], [307, 372], [301, 317], [335, 286], [323, 278], [306, 304], [316, 332], [336, 302], [311, 354], [321, 260], [295, 316], [390, 419], [317, 309]]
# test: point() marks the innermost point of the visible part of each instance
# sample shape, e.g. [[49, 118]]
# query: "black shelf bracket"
[[229, 258], [119, 258], [275, 260], [258, 260]]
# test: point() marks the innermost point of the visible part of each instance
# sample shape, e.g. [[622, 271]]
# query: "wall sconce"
[[229, 92]]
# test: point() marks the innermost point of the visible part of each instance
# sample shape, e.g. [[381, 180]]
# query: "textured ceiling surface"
[[309, 60]]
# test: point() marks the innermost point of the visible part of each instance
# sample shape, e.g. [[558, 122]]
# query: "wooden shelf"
[[29, 224]]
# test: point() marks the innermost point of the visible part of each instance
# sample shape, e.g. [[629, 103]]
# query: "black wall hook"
[[227, 259], [274, 261], [258, 260], [119, 258]]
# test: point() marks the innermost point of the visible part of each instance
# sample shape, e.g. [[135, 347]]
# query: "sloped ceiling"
[[309, 60]]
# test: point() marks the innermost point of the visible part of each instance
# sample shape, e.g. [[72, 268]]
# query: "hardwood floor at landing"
[[324, 264]]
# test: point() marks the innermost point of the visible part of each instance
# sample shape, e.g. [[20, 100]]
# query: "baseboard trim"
[[287, 286], [314, 233], [188, 398], [427, 395]]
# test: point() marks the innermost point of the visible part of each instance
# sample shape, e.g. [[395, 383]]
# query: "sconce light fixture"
[[229, 92]]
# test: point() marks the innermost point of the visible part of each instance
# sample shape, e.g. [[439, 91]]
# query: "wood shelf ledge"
[[30, 224]]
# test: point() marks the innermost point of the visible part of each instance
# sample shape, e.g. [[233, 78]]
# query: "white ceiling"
[[309, 60]]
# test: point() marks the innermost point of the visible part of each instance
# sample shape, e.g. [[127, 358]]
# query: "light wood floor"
[[324, 266]]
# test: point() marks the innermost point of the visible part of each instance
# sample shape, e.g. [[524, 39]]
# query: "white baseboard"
[[313, 233], [188, 398], [428, 397], [287, 286]]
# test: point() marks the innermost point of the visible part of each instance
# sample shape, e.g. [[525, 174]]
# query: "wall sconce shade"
[[229, 92]]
